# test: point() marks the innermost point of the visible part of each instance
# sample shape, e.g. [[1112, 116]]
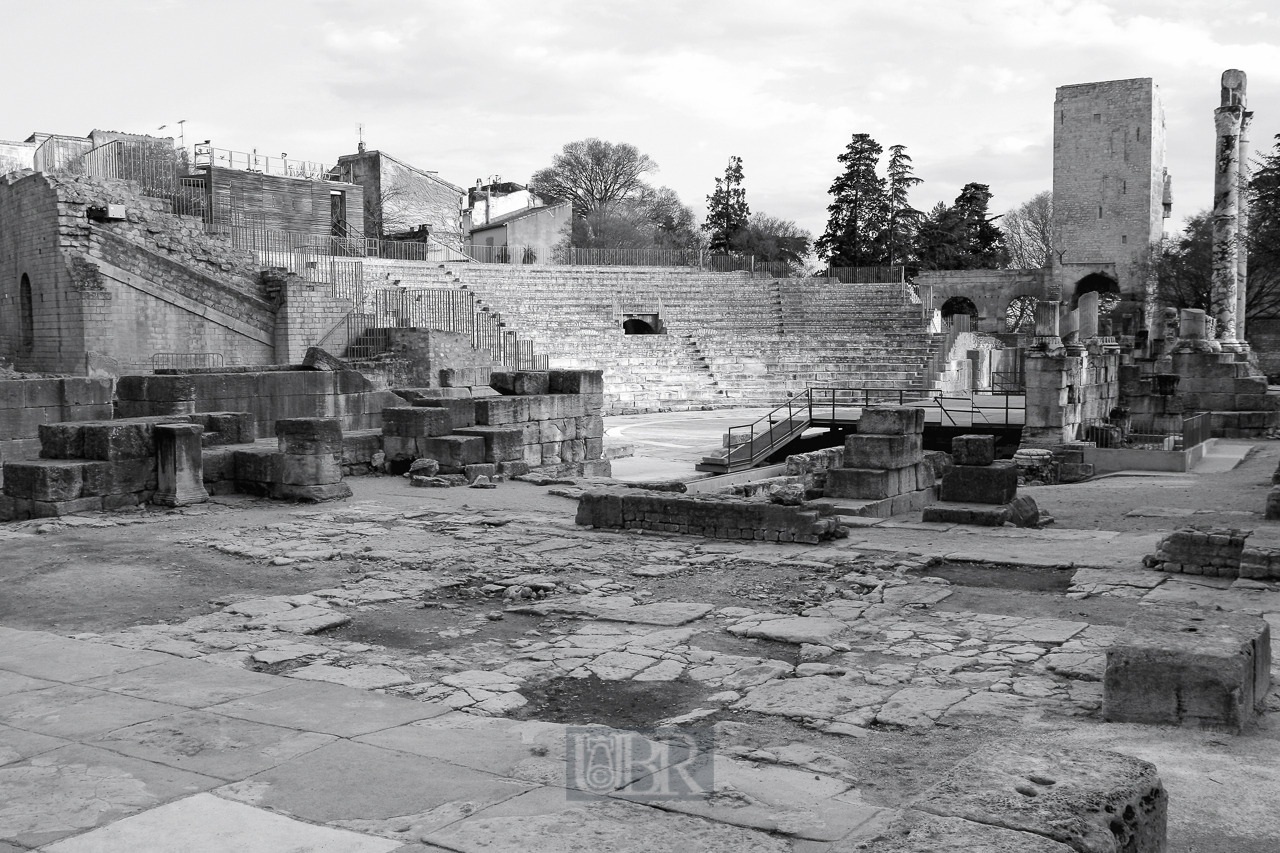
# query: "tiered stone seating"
[[731, 339]]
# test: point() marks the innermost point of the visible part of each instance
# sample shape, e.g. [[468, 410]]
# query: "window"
[[26, 312], [1097, 118], [1124, 238], [1099, 211]]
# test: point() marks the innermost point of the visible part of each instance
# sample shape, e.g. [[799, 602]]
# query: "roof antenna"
[[360, 145]]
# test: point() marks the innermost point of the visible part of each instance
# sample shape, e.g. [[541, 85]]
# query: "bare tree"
[[1028, 232], [592, 174]]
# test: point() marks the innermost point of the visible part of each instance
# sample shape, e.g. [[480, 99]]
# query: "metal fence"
[[1148, 435]]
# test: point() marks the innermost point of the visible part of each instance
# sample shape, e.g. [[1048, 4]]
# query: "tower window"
[[1124, 188], [1097, 118], [1139, 136], [1124, 238], [1099, 211], [1063, 117]]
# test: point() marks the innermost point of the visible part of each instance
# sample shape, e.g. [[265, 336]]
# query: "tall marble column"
[[1242, 227], [1226, 197]]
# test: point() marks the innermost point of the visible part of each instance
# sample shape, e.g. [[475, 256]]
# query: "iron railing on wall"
[[1148, 435]]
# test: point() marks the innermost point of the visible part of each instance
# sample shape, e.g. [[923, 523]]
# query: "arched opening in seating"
[[636, 326], [1107, 288], [1020, 315], [962, 306], [26, 314]]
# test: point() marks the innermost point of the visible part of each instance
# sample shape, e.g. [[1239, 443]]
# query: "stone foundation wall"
[[27, 404], [1065, 390], [268, 395], [714, 516]]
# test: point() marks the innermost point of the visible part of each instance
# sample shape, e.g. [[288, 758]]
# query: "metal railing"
[[1008, 381], [285, 167], [184, 360], [1196, 429]]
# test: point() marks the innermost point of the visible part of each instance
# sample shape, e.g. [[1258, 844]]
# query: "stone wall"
[[715, 516], [990, 291], [268, 396], [105, 295], [1064, 390], [28, 404]]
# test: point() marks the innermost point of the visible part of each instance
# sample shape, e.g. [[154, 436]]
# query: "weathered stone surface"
[[815, 697], [1189, 668], [664, 613], [918, 707], [891, 420], [1092, 800], [996, 483], [798, 629], [973, 449], [918, 832], [364, 676], [882, 451]]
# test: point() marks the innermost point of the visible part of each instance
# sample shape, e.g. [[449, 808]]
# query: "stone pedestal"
[[1188, 668], [980, 490], [884, 462], [179, 465]]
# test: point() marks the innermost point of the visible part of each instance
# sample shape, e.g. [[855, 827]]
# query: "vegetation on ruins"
[[1028, 232], [963, 236], [727, 209]]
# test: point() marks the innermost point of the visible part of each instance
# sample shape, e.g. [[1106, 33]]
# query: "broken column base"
[[1020, 512], [1197, 668]]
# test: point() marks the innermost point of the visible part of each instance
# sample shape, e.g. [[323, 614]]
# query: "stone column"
[[1047, 327], [1226, 195], [179, 465], [1242, 229]]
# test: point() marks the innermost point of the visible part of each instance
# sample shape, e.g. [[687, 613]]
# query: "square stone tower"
[[1111, 192]]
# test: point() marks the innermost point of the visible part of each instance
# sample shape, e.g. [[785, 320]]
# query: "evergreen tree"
[[903, 219], [858, 215], [1263, 237], [963, 236], [727, 210]]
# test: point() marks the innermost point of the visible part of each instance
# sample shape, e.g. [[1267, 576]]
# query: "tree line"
[[870, 219]]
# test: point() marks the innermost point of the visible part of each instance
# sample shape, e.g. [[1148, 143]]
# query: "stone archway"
[[1107, 288], [959, 305], [636, 326]]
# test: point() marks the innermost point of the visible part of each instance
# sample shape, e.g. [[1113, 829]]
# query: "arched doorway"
[[26, 313], [1107, 288], [635, 326]]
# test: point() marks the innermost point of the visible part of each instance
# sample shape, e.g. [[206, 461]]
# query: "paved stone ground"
[[407, 680]]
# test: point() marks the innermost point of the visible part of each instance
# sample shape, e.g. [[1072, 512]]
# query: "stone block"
[[1091, 800], [218, 464], [593, 448], [258, 465], [513, 469], [462, 411], [499, 411], [863, 483], [484, 469], [113, 440], [359, 446], [416, 421], [550, 452], [309, 469], [986, 484], [553, 430], [501, 444], [61, 441], [521, 383], [41, 393], [465, 377], [164, 389], [973, 449], [532, 456], [572, 451], [577, 381], [597, 468], [891, 420], [1273, 503], [312, 494], [309, 435], [882, 451], [592, 426], [231, 427], [44, 480], [453, 452], [1188, 668], [57, 509], [118, 478]]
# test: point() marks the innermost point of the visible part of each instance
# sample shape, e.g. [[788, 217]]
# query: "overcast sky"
[[478, 89]]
